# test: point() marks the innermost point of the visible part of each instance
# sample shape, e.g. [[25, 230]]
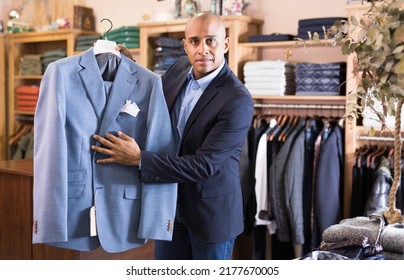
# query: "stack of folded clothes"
[[326, 79], [386, 239], [315, 25], [166, 52], [27, 97], [125, 35], [30, 65], [270, 77], [85, 42], [271, 37], [51, 56]]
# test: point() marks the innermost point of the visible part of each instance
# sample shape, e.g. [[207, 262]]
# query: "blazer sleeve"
[[158, 200], [223, 141], [50, 160]]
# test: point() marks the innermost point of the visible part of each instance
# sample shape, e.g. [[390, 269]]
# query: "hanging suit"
[[73, 106], [329, 183]]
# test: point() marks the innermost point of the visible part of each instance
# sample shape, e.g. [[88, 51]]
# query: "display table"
[[16, 215]]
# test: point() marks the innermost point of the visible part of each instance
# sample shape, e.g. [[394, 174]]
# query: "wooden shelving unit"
[[238, 29], [32, 43]]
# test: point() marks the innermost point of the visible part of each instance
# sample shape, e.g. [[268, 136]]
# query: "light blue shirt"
[[192, 92]]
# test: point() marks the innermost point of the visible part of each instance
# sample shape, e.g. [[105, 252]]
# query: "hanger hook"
[[106, 33]]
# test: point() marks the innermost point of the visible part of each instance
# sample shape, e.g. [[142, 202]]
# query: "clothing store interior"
[[316, 181]]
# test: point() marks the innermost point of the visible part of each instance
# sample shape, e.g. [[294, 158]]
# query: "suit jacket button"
[[157, 178]]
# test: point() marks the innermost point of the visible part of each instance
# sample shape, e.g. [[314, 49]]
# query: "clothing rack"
[[300, 106], [376, 138]]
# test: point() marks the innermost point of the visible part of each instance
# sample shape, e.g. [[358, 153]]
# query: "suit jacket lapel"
[[207, 96], [171, 97], [123, 86], [93, 83]]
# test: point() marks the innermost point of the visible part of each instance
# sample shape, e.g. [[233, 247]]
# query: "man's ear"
[[226, 44], [184, 42]]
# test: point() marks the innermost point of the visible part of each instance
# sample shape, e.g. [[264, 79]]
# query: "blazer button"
[[157, 178]]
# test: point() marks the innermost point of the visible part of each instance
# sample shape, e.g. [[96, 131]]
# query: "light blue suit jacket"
[[73, 106]]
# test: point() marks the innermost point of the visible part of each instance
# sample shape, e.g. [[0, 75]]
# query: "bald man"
[[211, 112]]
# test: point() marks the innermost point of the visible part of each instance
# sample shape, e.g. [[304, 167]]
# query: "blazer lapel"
[[93, 83], [171, 97], [123, 86], [207, 96]]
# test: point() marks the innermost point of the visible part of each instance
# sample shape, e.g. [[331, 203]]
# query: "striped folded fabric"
[[27, 97], [320, 78]]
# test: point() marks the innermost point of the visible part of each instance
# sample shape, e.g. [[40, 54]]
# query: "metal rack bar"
[[300, 106], [376, 138]]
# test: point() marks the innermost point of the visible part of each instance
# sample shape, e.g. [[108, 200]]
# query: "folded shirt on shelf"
[[30, 65], [320, 66], [320, 78], [265, 72], [270, 77], [316, 25], [85, 42], [271, 37], [319, 21], [268, 64], [290, 79], [317, 81]]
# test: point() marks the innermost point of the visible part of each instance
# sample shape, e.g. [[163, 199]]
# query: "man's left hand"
[[122, 149]]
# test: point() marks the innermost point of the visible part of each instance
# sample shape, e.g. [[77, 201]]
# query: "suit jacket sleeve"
[[223, 141], [159, 139], [50, 117]]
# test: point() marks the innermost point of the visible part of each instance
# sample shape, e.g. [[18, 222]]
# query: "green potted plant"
[[377, 42], [379, 66]]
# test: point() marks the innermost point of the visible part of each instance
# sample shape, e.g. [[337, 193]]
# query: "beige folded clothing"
[[392, 237]]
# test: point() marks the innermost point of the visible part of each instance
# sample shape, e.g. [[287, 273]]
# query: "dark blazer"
[[210, 199], [329, 180]]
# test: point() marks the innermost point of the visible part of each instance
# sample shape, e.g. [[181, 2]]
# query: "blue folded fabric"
[[320, 77], [271, 37], [168, 42], [309, 81], [320, 66], [317, 88], [319, 21], [312, 29]]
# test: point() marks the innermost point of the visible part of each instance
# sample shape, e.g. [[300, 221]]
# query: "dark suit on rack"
[[208, 164], [329, 183]]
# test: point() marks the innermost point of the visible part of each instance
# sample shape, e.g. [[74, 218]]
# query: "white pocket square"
[[130, 108]]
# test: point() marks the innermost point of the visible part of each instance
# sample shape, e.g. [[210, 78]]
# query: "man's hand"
[[122, 150], [124, 50]]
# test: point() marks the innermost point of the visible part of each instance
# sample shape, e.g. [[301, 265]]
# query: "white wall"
[[279, 15]]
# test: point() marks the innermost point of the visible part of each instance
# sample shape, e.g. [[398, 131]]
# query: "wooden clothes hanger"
[[104, 46]]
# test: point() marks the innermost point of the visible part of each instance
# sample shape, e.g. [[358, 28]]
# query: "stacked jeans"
[[166, 52]]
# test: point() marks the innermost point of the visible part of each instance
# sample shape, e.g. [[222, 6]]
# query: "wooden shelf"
[[238, 27], [133, 50], [47, 36], [24, 113], [37, 77], [20, 44]]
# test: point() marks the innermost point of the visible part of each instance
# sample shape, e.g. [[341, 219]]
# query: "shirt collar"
[[205, 81]]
